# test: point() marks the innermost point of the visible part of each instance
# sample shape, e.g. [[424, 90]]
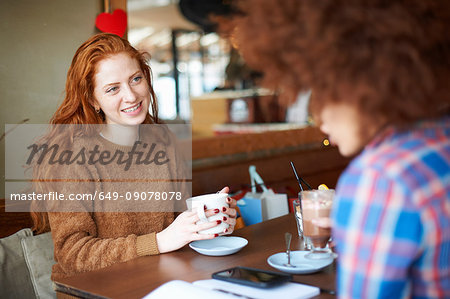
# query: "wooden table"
[[138, 277]]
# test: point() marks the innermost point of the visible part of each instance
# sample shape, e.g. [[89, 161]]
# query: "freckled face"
[[121, 90], [344, 127]]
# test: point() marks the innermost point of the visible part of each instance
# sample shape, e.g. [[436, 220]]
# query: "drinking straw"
[[299, 179]]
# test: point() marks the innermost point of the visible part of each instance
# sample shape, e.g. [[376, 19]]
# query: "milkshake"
[[315, 204]]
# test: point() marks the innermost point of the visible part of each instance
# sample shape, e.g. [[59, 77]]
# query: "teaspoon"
[[288, 237]]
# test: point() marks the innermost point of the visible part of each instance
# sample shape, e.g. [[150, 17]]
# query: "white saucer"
[[302, 264], [219, 246]]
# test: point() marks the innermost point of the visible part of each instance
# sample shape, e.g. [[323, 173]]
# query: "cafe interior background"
[[199, 78]]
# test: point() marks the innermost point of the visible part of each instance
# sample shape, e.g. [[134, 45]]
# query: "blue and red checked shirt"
[[392, 216]]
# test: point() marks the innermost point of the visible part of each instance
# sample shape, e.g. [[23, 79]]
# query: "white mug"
[[211, 201]]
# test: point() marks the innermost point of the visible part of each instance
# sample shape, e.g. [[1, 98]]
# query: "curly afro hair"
[[389, 58]]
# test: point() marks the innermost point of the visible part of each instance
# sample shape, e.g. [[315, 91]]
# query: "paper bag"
[[257, 207]]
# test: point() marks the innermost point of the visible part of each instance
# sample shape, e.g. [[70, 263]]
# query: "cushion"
[[15, 280], [38, 252]]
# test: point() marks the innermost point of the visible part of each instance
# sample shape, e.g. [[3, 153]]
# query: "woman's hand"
[[230, 211], [323, 222], [184, 230], [327, 223]]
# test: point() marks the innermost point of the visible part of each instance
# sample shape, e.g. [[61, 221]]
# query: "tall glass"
[[315, 204], [298, 219]]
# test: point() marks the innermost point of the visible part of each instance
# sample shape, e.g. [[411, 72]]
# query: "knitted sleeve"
[[74, 226], [78, 249]]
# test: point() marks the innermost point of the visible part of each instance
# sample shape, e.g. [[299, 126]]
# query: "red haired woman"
[[109, 83], [379, 73]]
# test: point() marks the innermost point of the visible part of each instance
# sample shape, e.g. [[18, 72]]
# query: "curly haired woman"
[[378, 71]]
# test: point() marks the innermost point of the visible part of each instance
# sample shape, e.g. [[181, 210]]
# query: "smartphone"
[[252, 277]]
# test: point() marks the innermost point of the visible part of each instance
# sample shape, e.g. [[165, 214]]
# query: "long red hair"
[[77, 107]]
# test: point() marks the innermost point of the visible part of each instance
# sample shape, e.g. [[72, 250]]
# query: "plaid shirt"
[[392, 216]]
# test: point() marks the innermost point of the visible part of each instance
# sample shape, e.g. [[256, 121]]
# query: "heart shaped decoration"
[[112, 23]]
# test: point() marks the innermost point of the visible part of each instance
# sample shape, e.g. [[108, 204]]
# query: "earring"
[[97, 110]]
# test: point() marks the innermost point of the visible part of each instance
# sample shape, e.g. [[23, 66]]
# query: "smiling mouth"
[[128, 110]]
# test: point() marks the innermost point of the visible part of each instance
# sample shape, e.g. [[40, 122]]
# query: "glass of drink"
[[316, 204]]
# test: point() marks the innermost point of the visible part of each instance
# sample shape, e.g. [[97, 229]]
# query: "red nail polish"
[[219, 221], [204, 207], [216, 211], [224, 218], [224, 209], [216, 235]]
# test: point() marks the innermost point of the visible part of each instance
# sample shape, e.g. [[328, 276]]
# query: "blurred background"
[[199, 75]]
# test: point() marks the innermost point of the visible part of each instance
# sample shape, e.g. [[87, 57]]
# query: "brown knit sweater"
[[91, 238]]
